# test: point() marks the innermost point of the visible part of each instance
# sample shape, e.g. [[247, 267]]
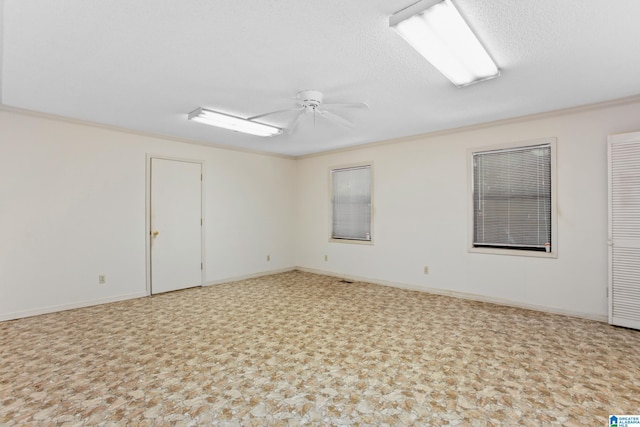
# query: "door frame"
[[147, 222]]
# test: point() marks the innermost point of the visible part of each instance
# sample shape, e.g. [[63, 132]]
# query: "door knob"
[[155, 233]]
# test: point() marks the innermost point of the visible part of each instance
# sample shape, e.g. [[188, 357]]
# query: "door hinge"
[[200, 177], [201, 266], [200, 221]]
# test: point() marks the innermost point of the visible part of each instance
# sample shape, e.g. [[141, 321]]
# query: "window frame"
[[331, 169], [552, 142]]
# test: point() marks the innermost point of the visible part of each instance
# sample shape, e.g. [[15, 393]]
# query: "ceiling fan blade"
[[336, 118], [273, 112], [345, 104], [294, 124]]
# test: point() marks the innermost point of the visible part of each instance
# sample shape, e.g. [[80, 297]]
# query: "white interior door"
[[176, 225], [624, 230]]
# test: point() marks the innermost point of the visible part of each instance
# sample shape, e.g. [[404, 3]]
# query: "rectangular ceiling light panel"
[[439, 33], [238, 124]]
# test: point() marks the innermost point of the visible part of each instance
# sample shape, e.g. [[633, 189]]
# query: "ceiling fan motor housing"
[[310, 98]]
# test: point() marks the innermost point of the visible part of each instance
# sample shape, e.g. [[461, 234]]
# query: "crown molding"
[[502, 122], [48, 116], [537, 116]]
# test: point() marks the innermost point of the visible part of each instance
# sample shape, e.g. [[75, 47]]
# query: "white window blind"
[[512, 198], [351, 203]]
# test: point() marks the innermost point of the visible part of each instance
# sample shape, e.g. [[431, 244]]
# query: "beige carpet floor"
[[303, 349]]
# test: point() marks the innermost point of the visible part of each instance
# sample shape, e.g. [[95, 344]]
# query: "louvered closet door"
[[624, 230]]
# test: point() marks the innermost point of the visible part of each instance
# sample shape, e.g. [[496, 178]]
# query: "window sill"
[[353, 242], [514, 252]]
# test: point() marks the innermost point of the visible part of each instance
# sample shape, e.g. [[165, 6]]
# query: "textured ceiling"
[[145, 64]]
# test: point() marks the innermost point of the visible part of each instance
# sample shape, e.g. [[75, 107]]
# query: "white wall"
[[72, 206], [421, 215]]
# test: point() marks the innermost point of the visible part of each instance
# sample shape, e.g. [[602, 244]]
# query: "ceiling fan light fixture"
[[227, 121], [438, 32]]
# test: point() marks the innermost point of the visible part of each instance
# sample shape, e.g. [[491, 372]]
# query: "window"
[[351, 203], [512, 198]]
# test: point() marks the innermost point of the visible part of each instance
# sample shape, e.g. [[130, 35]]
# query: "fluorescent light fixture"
[[238, 124], [438, 32]]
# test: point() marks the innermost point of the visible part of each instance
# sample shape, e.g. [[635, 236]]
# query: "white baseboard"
[[71, 306], [462, 295], [250, 276], [62, 307], [455, 294]]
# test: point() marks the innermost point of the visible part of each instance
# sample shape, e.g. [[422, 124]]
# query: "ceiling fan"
[[310, 102]]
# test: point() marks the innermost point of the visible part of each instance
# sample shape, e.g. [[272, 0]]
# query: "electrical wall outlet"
[[426, 270], [326, 258], [268, 257], [102, 279]]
